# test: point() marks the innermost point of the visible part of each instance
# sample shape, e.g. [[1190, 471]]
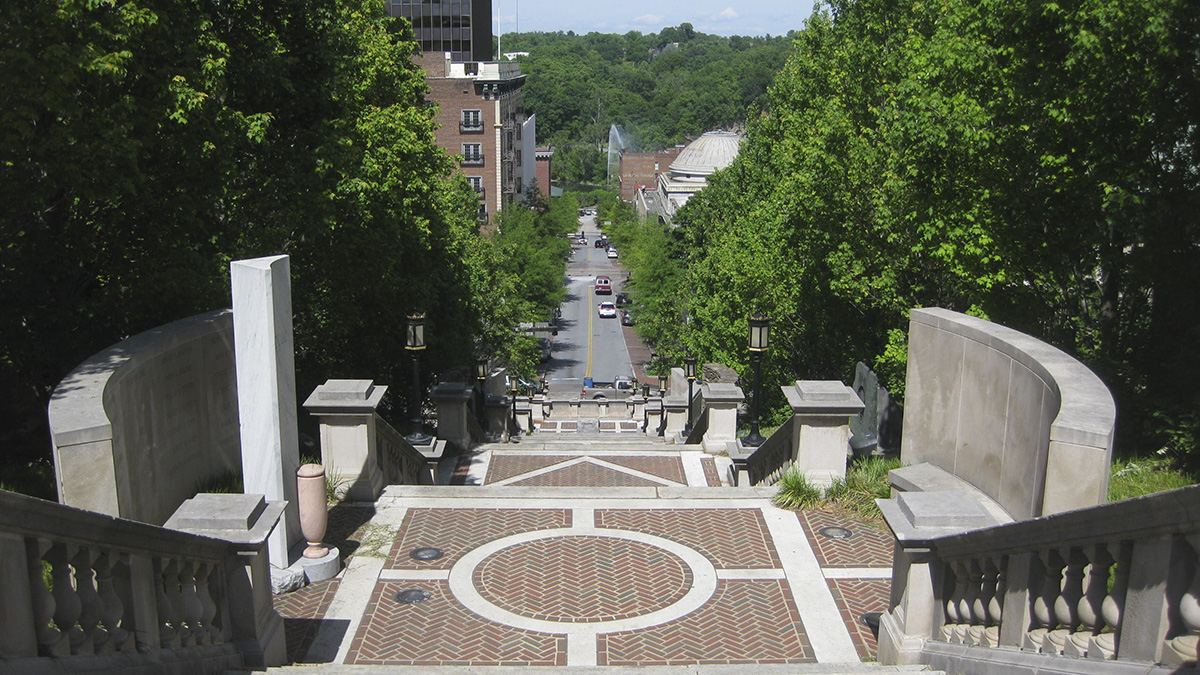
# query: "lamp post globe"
[[414, 343], [759, 342]]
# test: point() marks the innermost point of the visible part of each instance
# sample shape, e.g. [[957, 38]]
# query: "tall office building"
[[461, 27]]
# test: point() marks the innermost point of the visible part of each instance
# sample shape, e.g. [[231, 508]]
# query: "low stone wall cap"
[[345, 390]]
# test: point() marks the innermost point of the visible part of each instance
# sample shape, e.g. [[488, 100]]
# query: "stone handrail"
[[763, 465], [699, 428], [122, 593], [400, 462], [1117, 582]]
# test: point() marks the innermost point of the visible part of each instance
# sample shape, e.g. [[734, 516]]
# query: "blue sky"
[[719, 17]]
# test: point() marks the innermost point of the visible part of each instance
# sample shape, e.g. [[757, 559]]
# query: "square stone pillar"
[[245, 520], [721, 400], [345, 410], [821, 413], [453, 401], [654, 417], [266, 384], [537, 407]]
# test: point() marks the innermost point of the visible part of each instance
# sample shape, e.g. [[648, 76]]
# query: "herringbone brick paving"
[[609, 579], [302, 611], [441, 632], [868, 546], [457, 531], [746, 621], [856, 597], [730, 538], [585, 474]]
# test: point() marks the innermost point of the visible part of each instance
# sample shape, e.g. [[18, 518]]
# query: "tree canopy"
[[657, 88], [1032, 163]]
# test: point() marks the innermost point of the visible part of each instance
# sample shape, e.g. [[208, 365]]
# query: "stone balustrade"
[[1116, 583], [360, 448], [124, 594]]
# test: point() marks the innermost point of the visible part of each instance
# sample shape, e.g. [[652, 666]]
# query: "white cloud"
[[728, 15], [653, 19]]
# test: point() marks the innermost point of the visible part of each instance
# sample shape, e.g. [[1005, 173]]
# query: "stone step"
[[715, 669]]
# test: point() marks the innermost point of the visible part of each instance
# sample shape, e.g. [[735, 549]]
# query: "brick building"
[[643, 168], [482, 119], [541, 171]]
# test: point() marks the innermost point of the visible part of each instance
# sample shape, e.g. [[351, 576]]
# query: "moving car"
[[603, 286], [601, 242], [607, 310]]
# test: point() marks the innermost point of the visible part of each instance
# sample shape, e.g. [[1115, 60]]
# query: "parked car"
[[627, 318], [612, 252], [603, 286], [623, 299], [607, 310], [544, 348]]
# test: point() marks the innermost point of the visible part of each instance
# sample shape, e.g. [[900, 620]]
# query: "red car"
[[603, 286]]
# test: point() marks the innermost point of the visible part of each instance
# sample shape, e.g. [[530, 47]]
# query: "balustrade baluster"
[[954, 617], [1095, 589], [189, 604], [1066, 606], [49, 638], [67, 605], [1112, 609], [979, 608], [112, 611], [84, 641], [1185, 649], [995, 606], [1043, 605], [168, 618], [971, 627], [209, 631]]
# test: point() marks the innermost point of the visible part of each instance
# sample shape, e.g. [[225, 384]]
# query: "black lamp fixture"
[[760, 342], [415, 342], [513, 388], [481, 376], [689, 372]]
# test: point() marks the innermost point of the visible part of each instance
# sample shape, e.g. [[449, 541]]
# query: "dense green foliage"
[[1031, 163], [656, 88], [146, 143]]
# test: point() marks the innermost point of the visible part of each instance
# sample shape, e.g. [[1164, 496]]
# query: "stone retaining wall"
[[1017, 418], [138, 426]]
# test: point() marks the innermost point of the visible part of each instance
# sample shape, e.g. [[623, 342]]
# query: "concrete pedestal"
[[346, 411], [721, 401], [821, 413]]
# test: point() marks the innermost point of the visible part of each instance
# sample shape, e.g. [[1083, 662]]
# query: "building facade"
[[644, 168], [461, 27], [481, 119]]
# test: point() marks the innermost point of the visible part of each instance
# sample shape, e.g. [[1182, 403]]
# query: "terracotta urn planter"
[[314, 512]]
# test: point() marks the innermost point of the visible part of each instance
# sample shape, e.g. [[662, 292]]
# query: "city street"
[[587, 345]]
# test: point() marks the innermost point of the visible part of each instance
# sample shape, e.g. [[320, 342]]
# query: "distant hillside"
[[658, 88]]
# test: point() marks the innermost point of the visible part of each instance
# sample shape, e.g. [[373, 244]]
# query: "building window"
[[472, 153], [476, 183], [471, 120]]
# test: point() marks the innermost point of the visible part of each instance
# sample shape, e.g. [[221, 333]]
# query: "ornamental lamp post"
[[760, 330], [689, 372], [513, 388], [415, 342], [481, 376]]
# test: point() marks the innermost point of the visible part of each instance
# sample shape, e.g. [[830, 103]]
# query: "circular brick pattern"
[[582, 579]]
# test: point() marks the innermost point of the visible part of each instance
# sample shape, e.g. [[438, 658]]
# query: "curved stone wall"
[[138, 426], [1019, 419]]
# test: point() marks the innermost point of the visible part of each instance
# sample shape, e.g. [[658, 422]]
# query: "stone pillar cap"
[[345, 396], [822, 397], [239, 518], [723, 392]]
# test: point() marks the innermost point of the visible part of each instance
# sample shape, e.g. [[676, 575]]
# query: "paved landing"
[[535, 574]]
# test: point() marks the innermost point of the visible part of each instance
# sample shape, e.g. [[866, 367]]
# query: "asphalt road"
[[586, 345]]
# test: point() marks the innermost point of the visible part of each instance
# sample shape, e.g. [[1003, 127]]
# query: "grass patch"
[[1145, 476], [866, 480]]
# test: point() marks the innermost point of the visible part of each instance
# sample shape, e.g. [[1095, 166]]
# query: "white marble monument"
[[266, 382]]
